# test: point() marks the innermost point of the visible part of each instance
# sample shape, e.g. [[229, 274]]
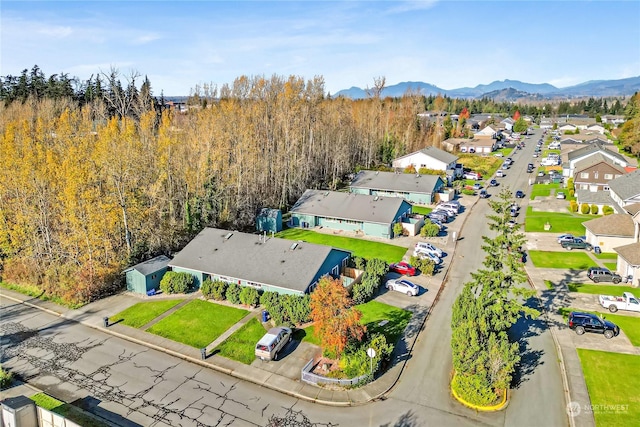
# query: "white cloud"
[[55, 31], [146, 38], [409, 6]]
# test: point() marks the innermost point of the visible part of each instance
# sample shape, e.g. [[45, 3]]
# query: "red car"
[[403, 268]]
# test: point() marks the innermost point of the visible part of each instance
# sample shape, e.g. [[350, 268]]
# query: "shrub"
[[219, 290], [364, 290], [249, 296], [377, 267], [410, 169], [297, 309], [206, 288], [397, 229], [573, 206], [426, 266], [585, 208], [607, 210], [572, 193], [176, 283], [233, 293], [594, 209], [429, 230], [359, 263], [474, 389], [570, 183], [468, 192], [6, 378]]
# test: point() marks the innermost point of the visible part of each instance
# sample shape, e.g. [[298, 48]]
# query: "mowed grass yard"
[[613, 383], [543, 190], [570, 260], [198, 323], [241, 344], [603, 289], [358, 247], [560, 222], [421, 210], [606, 255], [143, 312], [66, 410]]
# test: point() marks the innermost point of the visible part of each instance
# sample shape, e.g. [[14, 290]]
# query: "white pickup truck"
[[626, 302]]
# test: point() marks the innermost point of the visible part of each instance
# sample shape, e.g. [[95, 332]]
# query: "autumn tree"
[[464, 114], [516, 116], [336, 320]]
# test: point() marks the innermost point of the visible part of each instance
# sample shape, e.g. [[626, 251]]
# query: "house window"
[[153, 276], [595, 175], [255, 285], [584, 175], [608, 176], [313, 286], [334, 271], [618, 175]]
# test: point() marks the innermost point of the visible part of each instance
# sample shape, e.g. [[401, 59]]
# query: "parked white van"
[[272, 342]]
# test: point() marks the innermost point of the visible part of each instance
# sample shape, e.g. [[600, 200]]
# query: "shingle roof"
[[245, 256], [595, 159], [434, 152], [631, 253], [349, 206], [392, 181], [594, 197], [632, 209], [594, 148], [151, 266], [627, 185], [620, 225]]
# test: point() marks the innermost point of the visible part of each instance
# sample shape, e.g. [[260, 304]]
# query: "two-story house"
[[594, 172]]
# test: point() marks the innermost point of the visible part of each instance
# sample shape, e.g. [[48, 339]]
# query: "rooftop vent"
[[326, 193], [293, 246], [228, 236]]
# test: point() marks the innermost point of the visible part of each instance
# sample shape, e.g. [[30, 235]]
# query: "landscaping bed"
[[66, 410], [358, 247], [613, 383], [143, 312], [568, 260], [198, 323]]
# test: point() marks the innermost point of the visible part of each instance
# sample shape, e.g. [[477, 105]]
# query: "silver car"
[[404, 286]]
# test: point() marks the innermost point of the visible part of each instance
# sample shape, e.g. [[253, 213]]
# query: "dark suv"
[[599, 274], [587, 322]]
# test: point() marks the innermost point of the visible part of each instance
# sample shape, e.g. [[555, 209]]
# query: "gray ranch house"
[[360, 213], [416, 188], [264, 263]]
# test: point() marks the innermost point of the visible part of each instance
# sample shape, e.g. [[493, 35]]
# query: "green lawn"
[[198, 323], [560, 222], [143, 312], [611, 265], [571, 260], [241, 344], [71, 412], [358, 247], [606, 255], [543, 190], [630, 325], [374, 312], [613, 383], [421, 210], [615, 290]]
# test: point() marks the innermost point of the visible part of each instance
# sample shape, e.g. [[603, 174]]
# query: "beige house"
[[478, 145], [610, 231], [629, 255]]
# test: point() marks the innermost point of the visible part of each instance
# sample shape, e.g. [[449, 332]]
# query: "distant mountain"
[[597, 88], [511, 94]]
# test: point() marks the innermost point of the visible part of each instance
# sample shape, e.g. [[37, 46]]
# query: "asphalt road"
[[134, 386]]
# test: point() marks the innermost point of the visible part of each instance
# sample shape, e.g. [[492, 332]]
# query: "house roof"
[[349, 206], [632, 209], [278, 262], [435, 153], [151, 266], [594, 148], [626, 186], [595, 159], [631, 253], [594, 197], [620, 225], [478, 142], [392, 181]]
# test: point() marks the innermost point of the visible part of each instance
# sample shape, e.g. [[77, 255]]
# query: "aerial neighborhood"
[[163, 264]]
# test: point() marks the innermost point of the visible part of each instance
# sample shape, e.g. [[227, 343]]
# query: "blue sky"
[[451, 44]]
